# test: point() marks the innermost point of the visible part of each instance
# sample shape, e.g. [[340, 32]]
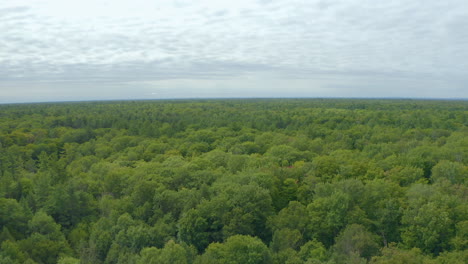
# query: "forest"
[[234, 181]]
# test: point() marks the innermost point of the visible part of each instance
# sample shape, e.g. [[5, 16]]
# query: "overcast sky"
[[56, 50]]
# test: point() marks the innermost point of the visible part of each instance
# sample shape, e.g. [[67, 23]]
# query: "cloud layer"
[[90, 49]]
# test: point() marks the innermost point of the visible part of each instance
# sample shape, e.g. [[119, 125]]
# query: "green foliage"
[[68, 260], [171, 253], [43, 224], [13, 219], [237, 249], [460, 241], [313, 250], [46, 242], [284, 155], [405, 175], [394, 255], [454, 257], [234, 181], [355, 242], [291, 217], [234, 209], [454, 172], [11, 253], [428, 222], [330, 214], [286, 238]]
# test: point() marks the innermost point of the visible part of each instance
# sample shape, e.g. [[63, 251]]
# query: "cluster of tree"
[[234, 181]]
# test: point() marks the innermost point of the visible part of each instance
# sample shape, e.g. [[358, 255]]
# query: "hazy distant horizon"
[[52, 50], [243, 98]]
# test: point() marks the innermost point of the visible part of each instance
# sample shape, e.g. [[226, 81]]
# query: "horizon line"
[[238, 98]]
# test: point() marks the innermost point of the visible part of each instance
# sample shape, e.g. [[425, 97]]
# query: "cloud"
[[11, 11], [128, 43]]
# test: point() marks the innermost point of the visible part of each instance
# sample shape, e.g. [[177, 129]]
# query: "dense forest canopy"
[[234, 181]]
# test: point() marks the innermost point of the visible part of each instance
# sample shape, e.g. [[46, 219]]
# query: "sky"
[[55, 50]]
